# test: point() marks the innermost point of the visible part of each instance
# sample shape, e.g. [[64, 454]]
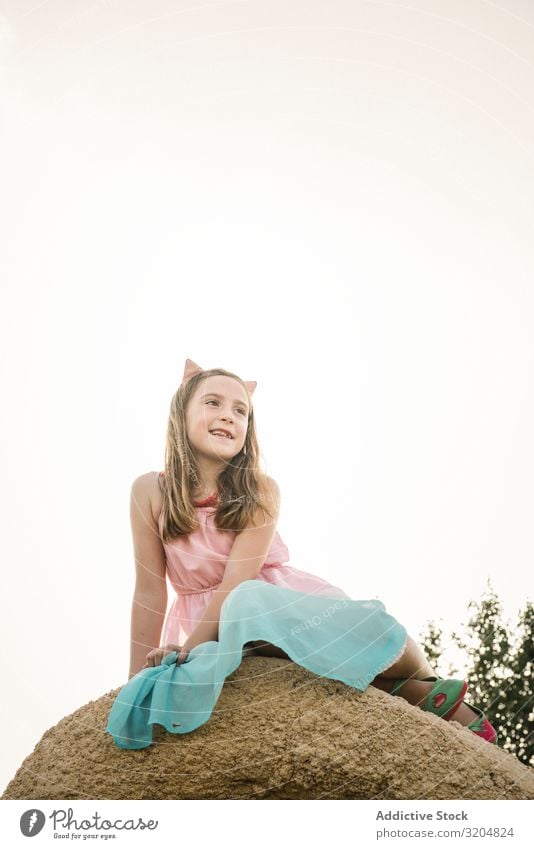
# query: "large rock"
[[278, 732]]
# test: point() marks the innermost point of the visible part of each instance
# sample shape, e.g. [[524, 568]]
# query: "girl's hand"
[[182, 656], [155, 657]]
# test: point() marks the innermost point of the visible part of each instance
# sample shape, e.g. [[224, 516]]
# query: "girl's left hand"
[[183, 655], [155, 657]]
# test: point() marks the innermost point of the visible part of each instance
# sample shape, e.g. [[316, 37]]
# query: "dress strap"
[[211, 500]]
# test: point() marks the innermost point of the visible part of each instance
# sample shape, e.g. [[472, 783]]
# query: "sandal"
[[444, 698], [481, 726]]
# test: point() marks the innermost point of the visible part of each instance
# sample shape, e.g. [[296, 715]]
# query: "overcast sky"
[[331, 198]]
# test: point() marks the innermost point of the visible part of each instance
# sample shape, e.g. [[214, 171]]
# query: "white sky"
[[331, 198]]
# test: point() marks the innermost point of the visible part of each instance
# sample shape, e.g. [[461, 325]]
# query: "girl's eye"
[[213, 401]]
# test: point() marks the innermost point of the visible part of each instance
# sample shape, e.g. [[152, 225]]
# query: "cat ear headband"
[[192, 368]]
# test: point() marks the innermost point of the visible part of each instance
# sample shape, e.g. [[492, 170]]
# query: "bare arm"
[[247, 556], [148, 616], [149, 603]]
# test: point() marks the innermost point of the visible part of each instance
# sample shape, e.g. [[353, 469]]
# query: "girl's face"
[[218, 403]]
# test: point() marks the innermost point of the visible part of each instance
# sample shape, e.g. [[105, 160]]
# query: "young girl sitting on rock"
[[209, 523]]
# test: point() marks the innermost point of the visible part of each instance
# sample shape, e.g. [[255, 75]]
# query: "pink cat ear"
[[190, 369], [251, 385]]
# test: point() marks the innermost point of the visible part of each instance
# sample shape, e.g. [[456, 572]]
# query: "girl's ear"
[[192, 368]]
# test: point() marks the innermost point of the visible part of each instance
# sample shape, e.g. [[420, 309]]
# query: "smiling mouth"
[[220, 436]]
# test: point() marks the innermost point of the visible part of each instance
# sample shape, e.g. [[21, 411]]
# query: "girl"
[[209, 523]]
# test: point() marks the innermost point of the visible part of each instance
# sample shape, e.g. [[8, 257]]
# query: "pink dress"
[[195, 567]]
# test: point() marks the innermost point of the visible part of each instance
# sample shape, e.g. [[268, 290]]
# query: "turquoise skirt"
[[339, 638]]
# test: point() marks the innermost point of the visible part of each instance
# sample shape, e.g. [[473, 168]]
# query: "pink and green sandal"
[[482, 726], [444, 698]]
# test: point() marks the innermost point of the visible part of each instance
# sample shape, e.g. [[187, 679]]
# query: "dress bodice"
[[196, 561]]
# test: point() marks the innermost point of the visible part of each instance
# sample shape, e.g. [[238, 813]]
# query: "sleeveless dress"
[[316, 623], [195, 568]]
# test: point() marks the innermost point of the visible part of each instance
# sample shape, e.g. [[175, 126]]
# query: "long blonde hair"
[[242, 487]]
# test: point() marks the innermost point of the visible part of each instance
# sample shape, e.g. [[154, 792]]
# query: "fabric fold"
[[339, 638]]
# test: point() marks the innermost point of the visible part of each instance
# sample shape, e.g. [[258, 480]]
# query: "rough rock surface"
[[278, 732]]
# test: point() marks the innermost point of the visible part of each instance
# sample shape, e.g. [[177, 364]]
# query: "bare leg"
[[412, 664]]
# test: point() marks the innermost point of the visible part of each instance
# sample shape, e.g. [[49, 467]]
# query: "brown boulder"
[[277, 732]]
